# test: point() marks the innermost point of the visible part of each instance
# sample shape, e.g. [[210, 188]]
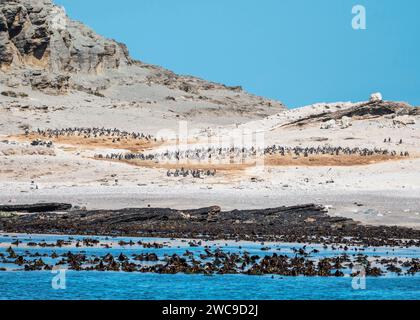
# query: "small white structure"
[[376, 97]]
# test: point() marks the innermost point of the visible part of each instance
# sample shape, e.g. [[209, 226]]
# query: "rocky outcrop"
[[36, 208], [38, 34], [42, 49], [308, 223], [47, 82], [404, 120], [365, 110]]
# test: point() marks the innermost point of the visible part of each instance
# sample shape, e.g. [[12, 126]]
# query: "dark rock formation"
[[302, 224], [35, 208], [39, 34]]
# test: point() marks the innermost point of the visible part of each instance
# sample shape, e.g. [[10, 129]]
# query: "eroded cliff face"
[[38, 34], [43, 51]]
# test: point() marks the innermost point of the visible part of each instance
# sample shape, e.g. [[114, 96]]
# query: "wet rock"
[[146, 257], [303, 223]]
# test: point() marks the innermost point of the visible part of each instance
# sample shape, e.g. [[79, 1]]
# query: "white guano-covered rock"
[[376, 97], [345, 122], [330, 124]]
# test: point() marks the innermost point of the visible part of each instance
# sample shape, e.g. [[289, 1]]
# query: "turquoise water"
[[15, 284], [111, 285]]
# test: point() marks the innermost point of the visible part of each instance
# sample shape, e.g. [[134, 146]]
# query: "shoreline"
[[308, 223], [400, 207]]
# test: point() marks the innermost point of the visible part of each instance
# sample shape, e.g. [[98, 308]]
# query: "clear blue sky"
[[296, 51]]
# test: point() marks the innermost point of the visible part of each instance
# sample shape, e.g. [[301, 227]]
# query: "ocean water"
[[38, 285], [133, 286]]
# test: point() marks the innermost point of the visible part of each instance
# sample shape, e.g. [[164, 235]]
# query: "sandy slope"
[[385, 192]]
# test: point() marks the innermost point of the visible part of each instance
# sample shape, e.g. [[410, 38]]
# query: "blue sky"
[[296, 51]]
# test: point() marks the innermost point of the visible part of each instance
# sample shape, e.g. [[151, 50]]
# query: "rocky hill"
[[39, 34], [44, 54]]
